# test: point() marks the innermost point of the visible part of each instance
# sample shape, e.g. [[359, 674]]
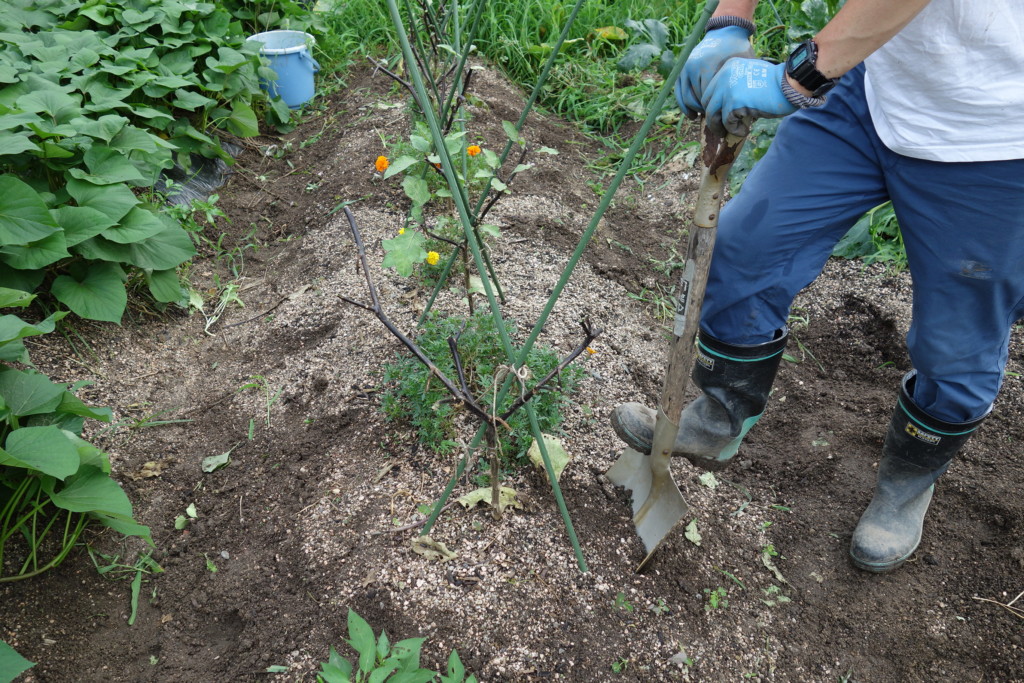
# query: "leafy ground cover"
[[301, 513]]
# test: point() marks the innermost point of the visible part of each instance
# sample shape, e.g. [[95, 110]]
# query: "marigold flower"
[[433, 257], [473, 150], [591, 351], [382, 164]]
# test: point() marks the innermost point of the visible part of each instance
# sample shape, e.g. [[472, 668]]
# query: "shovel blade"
[[658, 505]]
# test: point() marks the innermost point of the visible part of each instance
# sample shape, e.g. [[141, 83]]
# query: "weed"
[[415, 394], [270, 396], [773, 596], [377, 659], [659, 607], [717, 598], [111, 565], [622, 603], [620, 665]]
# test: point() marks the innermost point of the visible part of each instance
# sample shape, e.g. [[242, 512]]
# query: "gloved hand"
[[743, 90], [704, 62]]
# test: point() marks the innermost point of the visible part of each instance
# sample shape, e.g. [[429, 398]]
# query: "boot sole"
[[880, 567]]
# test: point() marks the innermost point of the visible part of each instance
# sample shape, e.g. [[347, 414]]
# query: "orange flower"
[[591, 351], [433, 257], [382, 164], [473, 150]]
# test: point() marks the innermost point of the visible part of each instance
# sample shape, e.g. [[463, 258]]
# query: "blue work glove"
[[743, 90], [704, 62]]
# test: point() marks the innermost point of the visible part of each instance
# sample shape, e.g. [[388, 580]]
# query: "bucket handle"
[[309, 58]]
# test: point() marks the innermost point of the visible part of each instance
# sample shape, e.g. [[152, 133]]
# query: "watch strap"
[[730, 20], [797, 99]]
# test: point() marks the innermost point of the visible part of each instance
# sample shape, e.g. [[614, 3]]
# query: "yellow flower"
[[433, 257], [473, 150], [382, 164], [401, 231], [591, 351]]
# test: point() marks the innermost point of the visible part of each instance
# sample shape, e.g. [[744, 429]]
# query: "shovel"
[[658, 505]]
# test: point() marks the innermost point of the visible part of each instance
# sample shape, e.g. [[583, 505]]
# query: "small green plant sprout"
[[378, 660], [659, 607], [210, 565], [182, 521], [111, 565], [620, 665], [270, 396], [622, 603], [773, 596], [717, 598]]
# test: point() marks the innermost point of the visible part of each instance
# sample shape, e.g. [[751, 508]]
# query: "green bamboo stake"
[[624, 167]]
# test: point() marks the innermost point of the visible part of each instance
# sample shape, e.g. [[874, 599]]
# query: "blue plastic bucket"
[[288, 52]]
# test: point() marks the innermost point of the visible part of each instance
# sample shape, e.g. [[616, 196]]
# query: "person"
[[918, 102]]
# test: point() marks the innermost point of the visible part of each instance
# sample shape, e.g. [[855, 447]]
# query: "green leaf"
[[138, 225], [14, 298], [72, 405], [511, 132], [164, 285], [113, 200], [91, 490], [709, 480], [489, 230], [24, 217], [421, 144], [399, 165], [81, 222], [45, 449], [416, 189], [106, 167], [360, 637], [123, 525], [190, 100], [29, 393], [404, 252], [16, 143], [638, 57], [165, 250], [212, 463], [38, 254], [243, 121], [12, 664], [93, 290], [556, 454]]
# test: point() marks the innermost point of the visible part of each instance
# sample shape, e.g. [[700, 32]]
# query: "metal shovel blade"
[[658, 505]]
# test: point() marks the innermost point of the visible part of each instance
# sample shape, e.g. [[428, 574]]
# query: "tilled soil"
[[306, 521]]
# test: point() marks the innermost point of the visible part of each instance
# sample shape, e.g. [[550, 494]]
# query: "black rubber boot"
[[736, 381], [918, 449]]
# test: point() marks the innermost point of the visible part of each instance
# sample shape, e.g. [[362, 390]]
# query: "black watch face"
[[799, 56]]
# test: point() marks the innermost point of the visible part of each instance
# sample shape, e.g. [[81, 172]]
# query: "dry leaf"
[[506, 498], [559, 457], [431, 549]]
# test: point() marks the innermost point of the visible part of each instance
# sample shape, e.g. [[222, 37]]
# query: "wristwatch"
[[802, 68]]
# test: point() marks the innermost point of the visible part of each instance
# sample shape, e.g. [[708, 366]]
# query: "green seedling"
[[659, 607], [379, 659], [717, 598], [270, 396], [620, 665], [773, 596], [112, 566], [622, 603]]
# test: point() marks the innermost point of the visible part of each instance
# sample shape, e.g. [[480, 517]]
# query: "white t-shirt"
[[950, 85]]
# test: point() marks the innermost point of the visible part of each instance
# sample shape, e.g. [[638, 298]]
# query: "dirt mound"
[[302, 524]]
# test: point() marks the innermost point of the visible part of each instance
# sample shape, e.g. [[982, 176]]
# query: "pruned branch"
[[590, 334], [376, 309]]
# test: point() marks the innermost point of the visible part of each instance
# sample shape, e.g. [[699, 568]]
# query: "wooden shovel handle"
[[717, 158]]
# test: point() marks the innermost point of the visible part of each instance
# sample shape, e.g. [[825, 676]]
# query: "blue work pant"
[[962, 224]]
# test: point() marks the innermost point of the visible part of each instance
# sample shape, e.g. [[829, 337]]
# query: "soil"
[[304, 523]]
